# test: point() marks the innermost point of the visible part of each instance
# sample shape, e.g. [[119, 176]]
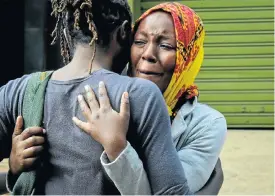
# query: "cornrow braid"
[[86, 22], [58, 12], [89, 15]]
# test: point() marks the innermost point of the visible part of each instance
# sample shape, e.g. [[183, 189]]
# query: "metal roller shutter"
[[237, 74]]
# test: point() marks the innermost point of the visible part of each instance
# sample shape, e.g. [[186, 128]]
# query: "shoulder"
[[204, 111], [137, 87], [208, 117], [144, 86], [12, 94], [199, 113], [15, 86], [199, 120]]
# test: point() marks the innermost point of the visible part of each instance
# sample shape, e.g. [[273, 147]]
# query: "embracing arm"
[[6, 124], [214, 184], [198, 154], [11, 97], [156, 153], [201, 151], [127, 172], [152, 139]]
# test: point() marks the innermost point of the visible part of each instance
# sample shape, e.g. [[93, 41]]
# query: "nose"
[[149, 54]]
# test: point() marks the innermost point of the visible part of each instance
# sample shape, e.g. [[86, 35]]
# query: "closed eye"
[[139, 42], [167, 47]]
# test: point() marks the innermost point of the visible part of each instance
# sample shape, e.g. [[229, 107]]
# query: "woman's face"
[[153, 52]]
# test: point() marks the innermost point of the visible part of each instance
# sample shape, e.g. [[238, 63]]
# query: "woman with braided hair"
[[94, 38]]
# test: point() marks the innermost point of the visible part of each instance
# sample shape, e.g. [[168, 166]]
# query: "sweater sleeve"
[[201, 151], [154, 152], [11, 99], [129, 176], [127, 172]]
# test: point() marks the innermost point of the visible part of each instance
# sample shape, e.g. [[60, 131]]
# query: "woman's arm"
[[214, 184], [127, 172], [200, 152], [198, 158], [124, 168]]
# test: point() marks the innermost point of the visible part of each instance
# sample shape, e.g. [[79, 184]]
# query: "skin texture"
[[153, 52], [27, 146]]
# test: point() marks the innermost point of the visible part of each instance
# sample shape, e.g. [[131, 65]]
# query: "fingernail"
[[101, 84], [80, 97], [126, 97], [44, 131], [87, 88]]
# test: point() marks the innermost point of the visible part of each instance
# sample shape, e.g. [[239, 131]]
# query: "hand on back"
[[104, 124]]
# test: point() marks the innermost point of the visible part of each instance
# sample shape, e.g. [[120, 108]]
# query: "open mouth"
[[149, 73]]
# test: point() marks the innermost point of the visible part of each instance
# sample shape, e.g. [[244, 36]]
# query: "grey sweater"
[[72, 159]]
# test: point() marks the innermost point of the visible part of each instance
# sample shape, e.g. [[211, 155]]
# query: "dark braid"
[[87, 22]]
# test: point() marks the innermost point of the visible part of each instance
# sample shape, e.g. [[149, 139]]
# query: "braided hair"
[[87, 22]]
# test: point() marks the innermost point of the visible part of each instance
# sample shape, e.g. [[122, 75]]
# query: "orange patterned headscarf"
[[190, 36]]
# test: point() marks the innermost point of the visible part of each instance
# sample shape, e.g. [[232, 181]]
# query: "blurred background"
[[237, 75]]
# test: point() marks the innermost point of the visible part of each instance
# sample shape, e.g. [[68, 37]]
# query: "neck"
[[82, 60]]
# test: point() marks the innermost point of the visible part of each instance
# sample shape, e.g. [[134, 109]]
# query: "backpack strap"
[[33, 103], [33, 110]]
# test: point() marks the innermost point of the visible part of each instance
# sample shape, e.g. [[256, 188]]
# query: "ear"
[[123, 33]]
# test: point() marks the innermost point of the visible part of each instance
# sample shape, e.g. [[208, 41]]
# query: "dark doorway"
[[53, 57], [12, 40]]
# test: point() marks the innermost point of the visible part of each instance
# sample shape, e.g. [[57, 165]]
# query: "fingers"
[[91, 98], [29, 162], [104, 100], [29, 132], [33, 141], [18, 126], [125, 105], [82, 125], [84, 107], [32, 151]]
